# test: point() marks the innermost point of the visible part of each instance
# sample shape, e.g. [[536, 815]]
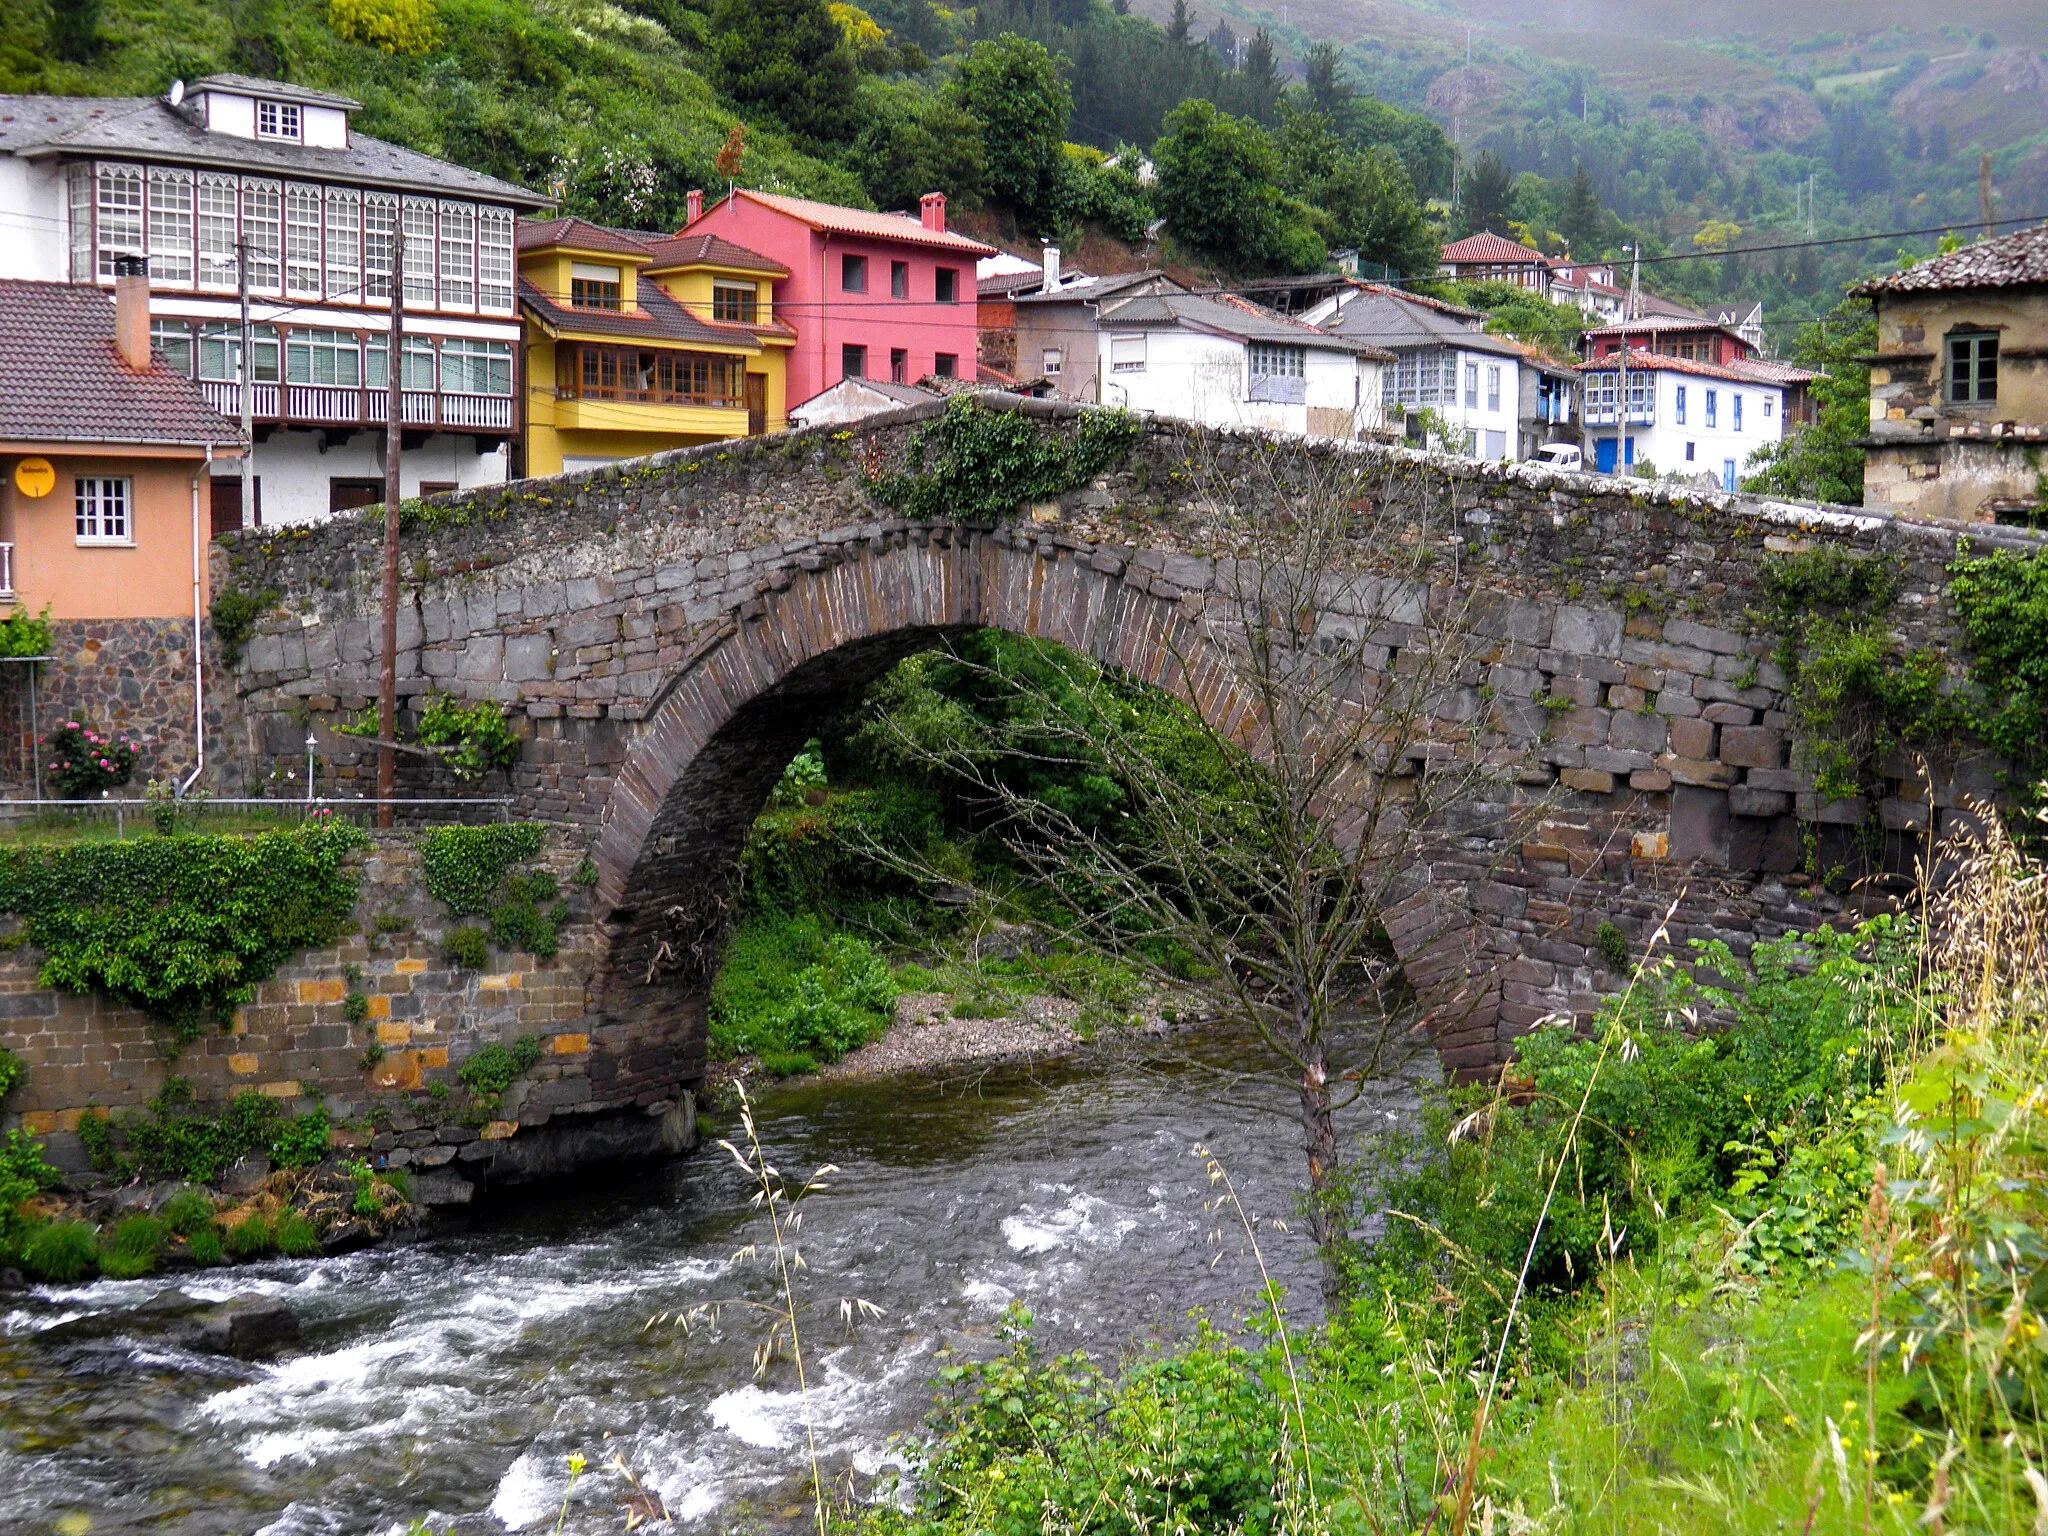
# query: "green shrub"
[[61, 1251], [25, 634], [168, 1139], [187, 1212], [463, 866], [787, 1063], [295, 1236], [518, 922], [980, 461], [301, 1141], [234, 615], [389, 26], [132, 1250], [205, 1246], [469, 948], [475, 738], [490, 1070], [1613, 946], [179, 926], [252, 1237], [11, 1071]]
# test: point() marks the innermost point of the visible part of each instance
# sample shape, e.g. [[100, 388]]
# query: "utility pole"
[[247, 370], [1628, 315], [394, 432]]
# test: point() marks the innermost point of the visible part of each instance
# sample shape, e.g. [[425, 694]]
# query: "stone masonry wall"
[[295, 1042], [660, 630]]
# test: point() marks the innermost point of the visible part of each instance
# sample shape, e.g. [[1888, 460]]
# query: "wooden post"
[[394, 431]]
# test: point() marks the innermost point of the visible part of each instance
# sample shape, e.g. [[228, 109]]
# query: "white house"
[[1225, 362], [1685, 417], [253, 175], [1444, 364]]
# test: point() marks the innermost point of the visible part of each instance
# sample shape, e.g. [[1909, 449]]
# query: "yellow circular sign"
[[35, 478]]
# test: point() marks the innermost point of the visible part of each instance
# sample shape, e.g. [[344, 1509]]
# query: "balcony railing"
[[1604, 413], [325, 405]]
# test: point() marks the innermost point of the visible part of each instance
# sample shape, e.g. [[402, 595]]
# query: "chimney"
[[693, 205], [933, 215], [1052, 270], [131, 310]]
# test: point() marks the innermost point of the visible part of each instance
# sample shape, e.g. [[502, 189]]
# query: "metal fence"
[[130, 817]]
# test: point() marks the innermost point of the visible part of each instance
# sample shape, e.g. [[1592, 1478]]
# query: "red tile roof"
[[658, 318], [61, 379], [1491, 248], [858, 221], [576, 234], [2012, 261], [1656, 362], [1660, 322], [710, 251]]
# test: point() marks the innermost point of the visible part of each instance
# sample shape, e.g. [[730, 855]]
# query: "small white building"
[[856, 399], [1684, 417], [1225, 362]]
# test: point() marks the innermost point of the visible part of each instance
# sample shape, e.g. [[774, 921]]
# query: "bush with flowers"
[[83, 762]]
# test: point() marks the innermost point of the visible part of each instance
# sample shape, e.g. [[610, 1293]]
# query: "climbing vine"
[[234, 613], [181, 926], [468, 739], [469, 870], [170, 1139], [491, 1070], [2001, 601], [977, 461], [26, 634]]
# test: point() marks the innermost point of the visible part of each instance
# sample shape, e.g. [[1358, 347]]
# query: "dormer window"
[[593, 287], [277, 120]]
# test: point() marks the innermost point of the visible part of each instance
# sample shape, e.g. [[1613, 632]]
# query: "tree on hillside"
[[916, 143], [1260, 78], [73, 29], [1219, 193], [1328, 92], [1258, 861], [1579, 217], [1365, 197], [1012, 88], [1823, 460], [1488, 191], [787, 58], [1180, 27]]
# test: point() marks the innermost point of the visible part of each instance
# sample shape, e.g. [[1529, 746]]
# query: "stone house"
[[1959, 385]]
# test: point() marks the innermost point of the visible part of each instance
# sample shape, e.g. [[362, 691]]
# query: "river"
[[454, 1376]]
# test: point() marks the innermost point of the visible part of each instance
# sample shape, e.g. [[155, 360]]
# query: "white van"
[[1562, 456]]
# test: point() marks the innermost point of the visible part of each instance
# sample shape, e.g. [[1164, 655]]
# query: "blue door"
[[1603, 455], [1727, 474]]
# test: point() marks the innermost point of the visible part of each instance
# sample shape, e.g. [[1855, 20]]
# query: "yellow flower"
[[577, 1464]]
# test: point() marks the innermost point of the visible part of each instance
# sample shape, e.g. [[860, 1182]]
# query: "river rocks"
[[442, 1188], [246, 1326], [247, 1176]]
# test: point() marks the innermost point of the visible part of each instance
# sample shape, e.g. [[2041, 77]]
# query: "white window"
[[458, 256], [79, 181], [1679, 403], [170, 342], [1769, 401], [344, 243], [262, 215], [102, 510], [220, 352], [1127, 354], [333, 358], [476, 367], [277, 120], [494, 259], [120, 215], [170, 228], [1049, 364], [1735, 409], [1713, 401], [380, 240], [302, 238], [419, 363], [1269, 361], [417, 253], [1493, 393], [217, 197], [1471, 386]]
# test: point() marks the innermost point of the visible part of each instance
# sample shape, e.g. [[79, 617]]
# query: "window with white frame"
[[419, 363], [330, 358], [1471, 386], [78, 182], [170, 228], [1713, 405], [476, 367], [1678, 404], [120, 215], [494, 259], [277, 120], [102, 503], [1735, 410], [458, 256], [1493, 388], [262, 215], [1127, 354], [380, 243], [216, 198], [344, 243], [1049, 363], [1271, 361], [302, 238], [170, 343], [417, 254], [220, 352]]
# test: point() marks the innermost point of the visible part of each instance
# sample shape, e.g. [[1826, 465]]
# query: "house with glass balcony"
[[637, 342], [243, 181], [1681, 416]]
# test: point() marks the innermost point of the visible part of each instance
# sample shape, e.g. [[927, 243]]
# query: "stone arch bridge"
[[667, 633]]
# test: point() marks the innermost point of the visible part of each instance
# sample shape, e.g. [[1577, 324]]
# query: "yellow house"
[[636, 343]]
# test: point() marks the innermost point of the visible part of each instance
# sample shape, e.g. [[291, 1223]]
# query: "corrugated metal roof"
[[62, 380], [2012, 261]]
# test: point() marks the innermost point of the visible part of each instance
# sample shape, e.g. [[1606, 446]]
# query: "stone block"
[[570, 1045], [1631, 731], [1586, 781], [1699, 825], [1729, 714], [1693, 738], [1744, 801], [244, 1064], [1587, 631], [1751, 746], [1904, 815], [322, 990], [1649, 781], [1701, 773], [1622, 696], [1703, 637], [390, 1032], [287, 1089]]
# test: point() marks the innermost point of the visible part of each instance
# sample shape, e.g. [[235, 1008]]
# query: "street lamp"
[[311, 743]]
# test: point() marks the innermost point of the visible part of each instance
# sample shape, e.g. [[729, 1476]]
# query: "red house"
[[872, 295], [1693, 337]]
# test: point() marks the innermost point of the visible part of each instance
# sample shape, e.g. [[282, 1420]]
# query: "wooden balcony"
[[325, 405]]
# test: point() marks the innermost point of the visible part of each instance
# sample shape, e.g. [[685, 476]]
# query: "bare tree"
[[1353, 779]]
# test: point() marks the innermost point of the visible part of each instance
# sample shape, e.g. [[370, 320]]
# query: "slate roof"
[[151, 129], [1227, 315], [858, 221], [1491, 248], [657, 318], [276, 90], [1384, 318], [2011, 261], [1096, 290], [61, 379]]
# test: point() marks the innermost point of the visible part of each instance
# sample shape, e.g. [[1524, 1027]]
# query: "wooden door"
[[757, 404], [227, 503]]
